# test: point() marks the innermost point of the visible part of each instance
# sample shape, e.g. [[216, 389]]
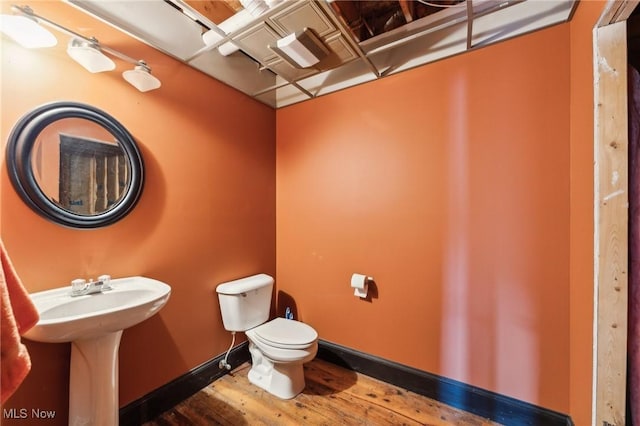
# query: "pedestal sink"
[[94, 324]]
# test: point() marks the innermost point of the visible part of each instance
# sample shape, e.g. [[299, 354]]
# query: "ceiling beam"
[[215, 10], [616, 11], [408, 9]]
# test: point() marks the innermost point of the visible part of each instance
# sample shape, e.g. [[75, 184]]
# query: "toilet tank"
[[245, 303]]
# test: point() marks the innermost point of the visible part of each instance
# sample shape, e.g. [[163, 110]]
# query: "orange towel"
[[17, 315]]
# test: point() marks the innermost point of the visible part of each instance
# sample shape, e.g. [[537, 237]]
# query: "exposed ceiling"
[[216, 10], [367, 19], [366, 40]]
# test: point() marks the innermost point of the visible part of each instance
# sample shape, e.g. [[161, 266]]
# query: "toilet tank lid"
[[244, 285]]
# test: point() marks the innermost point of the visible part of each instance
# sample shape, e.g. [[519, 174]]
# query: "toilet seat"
[[285, 334], [284, 355]]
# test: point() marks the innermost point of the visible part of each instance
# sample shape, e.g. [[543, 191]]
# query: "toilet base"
[[284, 380]]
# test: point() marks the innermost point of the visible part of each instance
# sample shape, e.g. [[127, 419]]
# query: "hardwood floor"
[[333, 396]]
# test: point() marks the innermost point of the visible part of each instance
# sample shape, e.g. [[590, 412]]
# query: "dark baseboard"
[[168, 396], [484, 403]]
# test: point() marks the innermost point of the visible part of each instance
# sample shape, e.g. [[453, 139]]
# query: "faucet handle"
[[106, 282], [78, 285]]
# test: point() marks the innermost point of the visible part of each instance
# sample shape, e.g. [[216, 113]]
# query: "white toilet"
[[279, 347]]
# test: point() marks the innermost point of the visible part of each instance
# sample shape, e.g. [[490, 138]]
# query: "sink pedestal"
[[93, 380]]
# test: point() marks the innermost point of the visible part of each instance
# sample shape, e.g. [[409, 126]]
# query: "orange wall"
[[207, 213], [449, 184]]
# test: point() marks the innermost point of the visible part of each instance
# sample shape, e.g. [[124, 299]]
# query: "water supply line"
[[224, 364]]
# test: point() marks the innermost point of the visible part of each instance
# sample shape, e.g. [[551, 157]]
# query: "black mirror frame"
[[18, 158]]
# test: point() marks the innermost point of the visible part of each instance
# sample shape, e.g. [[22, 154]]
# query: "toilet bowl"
[[279, 347]]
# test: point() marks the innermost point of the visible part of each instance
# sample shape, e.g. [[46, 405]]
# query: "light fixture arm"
[[27, 11], [121, 55]]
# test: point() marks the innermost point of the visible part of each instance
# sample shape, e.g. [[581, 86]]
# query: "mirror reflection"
[[80, 166]]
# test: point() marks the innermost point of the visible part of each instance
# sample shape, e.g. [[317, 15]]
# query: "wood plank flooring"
[[333, 396]]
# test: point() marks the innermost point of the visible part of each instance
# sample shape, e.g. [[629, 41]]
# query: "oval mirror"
[[75, 165]]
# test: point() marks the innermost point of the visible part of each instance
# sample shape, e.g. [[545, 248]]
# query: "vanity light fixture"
[[26, 31], [88, 52], [301, 49], [89, 55], [140, 77]]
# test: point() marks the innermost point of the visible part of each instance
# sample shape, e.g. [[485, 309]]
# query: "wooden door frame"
[[610, 214]]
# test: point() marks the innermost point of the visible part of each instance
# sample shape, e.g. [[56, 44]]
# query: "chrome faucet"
[[80, 287]]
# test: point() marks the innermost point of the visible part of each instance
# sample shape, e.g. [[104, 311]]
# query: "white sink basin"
[[64, 318]]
